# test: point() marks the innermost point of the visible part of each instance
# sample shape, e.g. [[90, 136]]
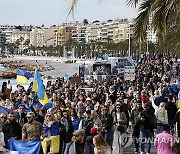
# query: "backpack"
[[89, 145]]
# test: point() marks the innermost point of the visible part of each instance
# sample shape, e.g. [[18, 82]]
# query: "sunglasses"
[[3, 117], [48, 115]]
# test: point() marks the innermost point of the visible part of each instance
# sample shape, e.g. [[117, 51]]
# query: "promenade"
[[130, 150]]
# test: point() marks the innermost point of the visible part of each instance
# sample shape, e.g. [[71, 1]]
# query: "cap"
[[94, 131], [79, 132], [30, 114]]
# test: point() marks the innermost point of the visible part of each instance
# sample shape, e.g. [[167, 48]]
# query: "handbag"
[[121, 128]]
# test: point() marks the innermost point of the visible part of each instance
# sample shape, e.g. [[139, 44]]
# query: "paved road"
[[130, 150]]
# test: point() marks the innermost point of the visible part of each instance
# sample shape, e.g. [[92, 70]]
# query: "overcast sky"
[[50, 12]]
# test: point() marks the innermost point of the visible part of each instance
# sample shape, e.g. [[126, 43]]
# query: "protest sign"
[[129, 73], [75, 79]]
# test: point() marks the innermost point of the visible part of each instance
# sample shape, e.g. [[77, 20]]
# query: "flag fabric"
[[38, 87], [30, 147], [23, 76], [66, 76], [106, 57], [4, 110], [54, 146]]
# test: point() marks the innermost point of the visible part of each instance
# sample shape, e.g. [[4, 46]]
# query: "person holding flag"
[[52, 129], [38, 87]]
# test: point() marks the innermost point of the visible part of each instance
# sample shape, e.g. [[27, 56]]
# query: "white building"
[[93, 32], [40, 37], [79, 33], [18, 35]]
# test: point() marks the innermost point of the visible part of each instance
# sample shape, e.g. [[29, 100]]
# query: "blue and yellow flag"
[[23, 76], [54, 144], [106, 57], [38, 87]]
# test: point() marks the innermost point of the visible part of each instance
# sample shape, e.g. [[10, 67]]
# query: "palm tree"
[[21, 43], [160, 15]]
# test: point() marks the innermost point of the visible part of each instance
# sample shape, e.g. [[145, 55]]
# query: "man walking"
[[79, 146], [147, 126]]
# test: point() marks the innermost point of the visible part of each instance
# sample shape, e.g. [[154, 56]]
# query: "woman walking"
[[100, 145]]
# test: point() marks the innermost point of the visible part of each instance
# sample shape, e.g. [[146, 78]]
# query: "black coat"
[[12, 129]]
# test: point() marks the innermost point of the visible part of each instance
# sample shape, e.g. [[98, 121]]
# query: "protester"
[[136, 124], [32, 130], [11, 128], [162, 117], [21, 117], [107, 123], [100, 145], [52, 130], [119, 121], [5, 92], [79, 146], [147, 126], [98, 107], [164, 141]]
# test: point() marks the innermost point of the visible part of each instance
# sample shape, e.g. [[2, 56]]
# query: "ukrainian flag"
[[54, 144], [23, 76], [106, 57], [38, 87]]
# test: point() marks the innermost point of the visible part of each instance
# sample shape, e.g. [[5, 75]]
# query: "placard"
[[75, 79], [129, 73]]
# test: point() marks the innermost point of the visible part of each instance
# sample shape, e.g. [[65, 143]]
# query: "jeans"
[[171, 122], [107, 135], [145, 138]]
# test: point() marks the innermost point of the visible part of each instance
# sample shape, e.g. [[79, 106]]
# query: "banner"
[[24, 147], [129, 73]]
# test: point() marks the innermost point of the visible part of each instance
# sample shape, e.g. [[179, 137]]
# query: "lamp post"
[[129, 52]]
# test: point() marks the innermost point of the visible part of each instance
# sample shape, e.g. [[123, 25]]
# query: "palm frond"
[[132, 3], [72, 7], [142, 20]]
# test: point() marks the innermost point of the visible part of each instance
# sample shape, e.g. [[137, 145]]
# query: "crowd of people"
[[90, 117]]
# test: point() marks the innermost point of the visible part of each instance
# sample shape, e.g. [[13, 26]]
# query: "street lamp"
[[129, 53]]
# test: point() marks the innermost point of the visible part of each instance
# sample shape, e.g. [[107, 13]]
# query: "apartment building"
[[7, 27], [93, 32], [64, 33], [79, 33], [40, 37], [22, 36], [2, 38], [120, 33], [107, 31]]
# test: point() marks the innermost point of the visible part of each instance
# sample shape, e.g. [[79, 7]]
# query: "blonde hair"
[[53, 118], [101, 145]]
